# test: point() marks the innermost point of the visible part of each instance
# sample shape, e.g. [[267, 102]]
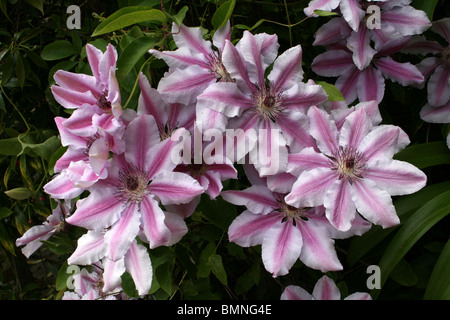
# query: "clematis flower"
[[286, 233], [253, 104], [397, 17], [354, 171], [127, 203], [33, 237], [325, 289], [436, 69], [96, 98], [368, 83], [92, 249]]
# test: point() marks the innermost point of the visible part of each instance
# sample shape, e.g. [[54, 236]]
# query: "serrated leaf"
[[58, 49], [128, 16], [223, 14]]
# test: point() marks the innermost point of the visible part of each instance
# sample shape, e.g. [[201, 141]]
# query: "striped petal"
[[122, 233], [436, 114], [438, 87], [152, 222], [359, 44], [90, 249], [348, 83], [295, 293], [352, 13], [323, 130], [258, 199], [139, 266], [332, 63], [310, 188], [281, 248], [339, 207], [370, 85], [404, 73], [406, 20], [191, 38], [355, 128], [287, 69], [175, 187], [374, 204], [326, 289]]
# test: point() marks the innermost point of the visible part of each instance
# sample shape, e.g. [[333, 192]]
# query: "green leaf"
[[248, 279], [10, 147], [216, 266], [38, 4], [426, 5], [223, 14], [323, 13], [6, 240], [218, 211], [58, 49], [426, 154], [179, 17], [164, 276], [20, 193], [404, 274], [204, 268], [131, 55], [62, 277], [333, 93], [5, 212], [128, 16], [128, 285], [45, 149], [20, 70], [438, 287], [409, 233]]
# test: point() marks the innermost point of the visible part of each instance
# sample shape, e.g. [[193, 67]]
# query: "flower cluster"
[[330, 172]]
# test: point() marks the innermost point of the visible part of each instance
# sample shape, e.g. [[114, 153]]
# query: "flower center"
[[132, 184], [349, 164], [292, 214], [267, 103], [89, 143], [103, 103], [216, 66], [196, 170]]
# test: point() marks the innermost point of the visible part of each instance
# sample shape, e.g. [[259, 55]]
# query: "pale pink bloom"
[[92, 249], [33, 237], [325, 289], [96, 98], [253, 104], [286, 233], [368, 83], [354, 170], [127, 203], [435, 68]]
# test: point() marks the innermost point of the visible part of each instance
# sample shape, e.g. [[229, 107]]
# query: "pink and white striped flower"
[[286, 233], [325, 289], [127, 203], [367, 84], [354, 170], [253, 104], [92, 250], [436, 69], [54, 224]]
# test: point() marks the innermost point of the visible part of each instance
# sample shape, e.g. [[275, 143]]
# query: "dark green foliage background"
[[35, 42]]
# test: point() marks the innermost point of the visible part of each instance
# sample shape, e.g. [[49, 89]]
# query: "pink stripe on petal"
[[327, 5], [180, 58], [90, 249], [175, 187], [77, 81], [339, 207], [122, 233], [438, 87], [61, 187], [94, 214], [318, 250], [352, 13], [324, 130], [141, 135], [329, 32], [248, 229], [326, 289], [281, 248], [287, 69], [404, 73], [307, 159], [94, 55], [295, 293], [192, 38], [139, 265], [235, 64], [258, 199], [370, 85], [332, 63], [72, 99], [152, 222], [359, 44], [310, 188], [442, 27], [347, 84], [356, 126], [112, 272], [436, 114], [380, 142], [406, 20], [396, 177], [150, 102], [374, 204], [184, 85]]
